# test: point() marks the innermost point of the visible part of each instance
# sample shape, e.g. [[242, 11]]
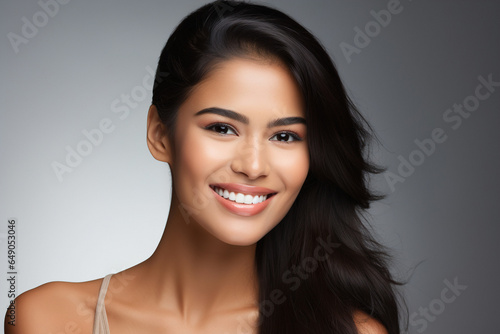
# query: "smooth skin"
[[201, 278]]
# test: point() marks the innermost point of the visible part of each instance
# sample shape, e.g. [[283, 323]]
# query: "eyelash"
[[295, 136]]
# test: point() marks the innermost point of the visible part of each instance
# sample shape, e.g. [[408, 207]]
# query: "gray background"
[[109, 212]]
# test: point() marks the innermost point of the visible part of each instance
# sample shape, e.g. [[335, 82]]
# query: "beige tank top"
[[100, 318]]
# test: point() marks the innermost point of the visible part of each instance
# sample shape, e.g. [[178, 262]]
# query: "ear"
[[157, 138]]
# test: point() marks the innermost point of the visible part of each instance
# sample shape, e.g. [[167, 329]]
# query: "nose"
[[251, 159]]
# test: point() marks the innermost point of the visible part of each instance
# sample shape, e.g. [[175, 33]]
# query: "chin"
[[240, 237], [243, 242]]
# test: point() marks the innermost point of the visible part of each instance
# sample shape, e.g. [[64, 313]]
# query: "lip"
[[243, 209], [244, 189]]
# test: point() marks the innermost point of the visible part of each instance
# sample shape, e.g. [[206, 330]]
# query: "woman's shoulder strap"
[[100, 319]]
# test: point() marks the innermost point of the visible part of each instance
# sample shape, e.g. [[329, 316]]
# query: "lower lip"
[[242, 209]]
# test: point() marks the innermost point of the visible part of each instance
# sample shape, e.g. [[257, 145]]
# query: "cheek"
[[293, 167], [197, 157], [185, 169]]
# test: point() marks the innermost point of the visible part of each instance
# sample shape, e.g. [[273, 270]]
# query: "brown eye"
[[221, 128], [286, 137]]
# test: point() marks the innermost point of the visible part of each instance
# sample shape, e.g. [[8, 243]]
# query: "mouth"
[[242, 197]]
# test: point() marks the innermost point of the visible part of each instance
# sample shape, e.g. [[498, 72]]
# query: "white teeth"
[[248, 199], [239, 197]]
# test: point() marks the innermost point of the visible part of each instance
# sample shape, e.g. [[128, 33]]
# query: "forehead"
[[248, 86]]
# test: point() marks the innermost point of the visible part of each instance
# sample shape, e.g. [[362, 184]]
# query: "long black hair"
[[320, 264]]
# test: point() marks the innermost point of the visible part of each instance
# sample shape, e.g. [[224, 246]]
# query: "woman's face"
[[241, 134]]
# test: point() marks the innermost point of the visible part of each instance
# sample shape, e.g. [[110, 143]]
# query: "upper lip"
[[244, 189]]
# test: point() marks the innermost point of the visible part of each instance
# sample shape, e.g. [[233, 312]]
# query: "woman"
[[264, 233]]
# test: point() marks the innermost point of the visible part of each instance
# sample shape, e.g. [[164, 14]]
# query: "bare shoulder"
[[368, 325], [55, 307]]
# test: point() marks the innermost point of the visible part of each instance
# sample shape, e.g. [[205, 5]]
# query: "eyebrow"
[[243, 119]]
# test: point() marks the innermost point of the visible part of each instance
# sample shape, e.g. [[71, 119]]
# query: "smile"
[[242, 200], [240, 197]]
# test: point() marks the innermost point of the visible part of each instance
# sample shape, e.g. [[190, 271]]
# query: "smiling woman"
[[240, 132], [264, 233]]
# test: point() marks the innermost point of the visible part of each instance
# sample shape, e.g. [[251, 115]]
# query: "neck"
[[196, 274]]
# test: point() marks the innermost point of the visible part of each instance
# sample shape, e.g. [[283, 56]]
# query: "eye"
[[221, 128], [286, 137]]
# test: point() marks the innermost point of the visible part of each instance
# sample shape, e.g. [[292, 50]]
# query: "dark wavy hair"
[[300, 291]]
